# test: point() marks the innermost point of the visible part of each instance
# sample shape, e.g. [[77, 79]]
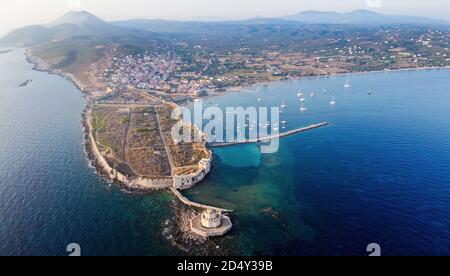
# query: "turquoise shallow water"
[[380, 172]]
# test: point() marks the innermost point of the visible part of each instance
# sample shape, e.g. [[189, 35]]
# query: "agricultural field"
[[146, 153], [131, 141]]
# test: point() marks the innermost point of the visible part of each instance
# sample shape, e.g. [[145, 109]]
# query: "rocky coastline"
[[177, 232]]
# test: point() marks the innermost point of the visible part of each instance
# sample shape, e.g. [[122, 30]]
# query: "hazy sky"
[[16, 13]]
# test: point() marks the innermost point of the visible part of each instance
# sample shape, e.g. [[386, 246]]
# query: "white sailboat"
[[283, 105], [300, 94], [333, 101], [302, 99], [347, 84], [303, 108]]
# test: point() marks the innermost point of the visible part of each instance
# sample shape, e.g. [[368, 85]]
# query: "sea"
[[378, 173]]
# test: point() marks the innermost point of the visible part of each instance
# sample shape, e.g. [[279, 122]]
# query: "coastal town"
[[202, 69]]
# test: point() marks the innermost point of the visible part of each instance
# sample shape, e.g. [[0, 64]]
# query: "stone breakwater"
[[195, 204]]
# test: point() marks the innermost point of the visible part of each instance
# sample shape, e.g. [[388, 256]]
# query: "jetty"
[[269, 137]]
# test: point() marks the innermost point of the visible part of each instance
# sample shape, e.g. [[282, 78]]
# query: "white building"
[[211, 219]]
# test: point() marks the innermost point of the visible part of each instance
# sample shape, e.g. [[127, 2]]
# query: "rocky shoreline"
[[178, 233]]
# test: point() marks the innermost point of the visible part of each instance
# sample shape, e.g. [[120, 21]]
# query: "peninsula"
[[130, 137]]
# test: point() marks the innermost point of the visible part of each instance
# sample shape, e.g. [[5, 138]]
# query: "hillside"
[[73, 24]]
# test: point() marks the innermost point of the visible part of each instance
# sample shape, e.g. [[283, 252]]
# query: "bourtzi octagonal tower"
[[211, 219], [211, 223]]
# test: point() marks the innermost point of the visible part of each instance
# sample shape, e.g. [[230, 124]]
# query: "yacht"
[[347, 84], [333, 101], [303, 108]]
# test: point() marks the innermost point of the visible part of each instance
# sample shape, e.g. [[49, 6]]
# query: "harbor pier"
[[267, 138]]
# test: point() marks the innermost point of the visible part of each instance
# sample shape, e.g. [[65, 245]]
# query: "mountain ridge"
[[361, 16], [84, 23], [78, 18], [69, 25]]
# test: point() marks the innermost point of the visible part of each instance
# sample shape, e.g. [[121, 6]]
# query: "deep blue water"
[[380, 172], [49, 196]]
